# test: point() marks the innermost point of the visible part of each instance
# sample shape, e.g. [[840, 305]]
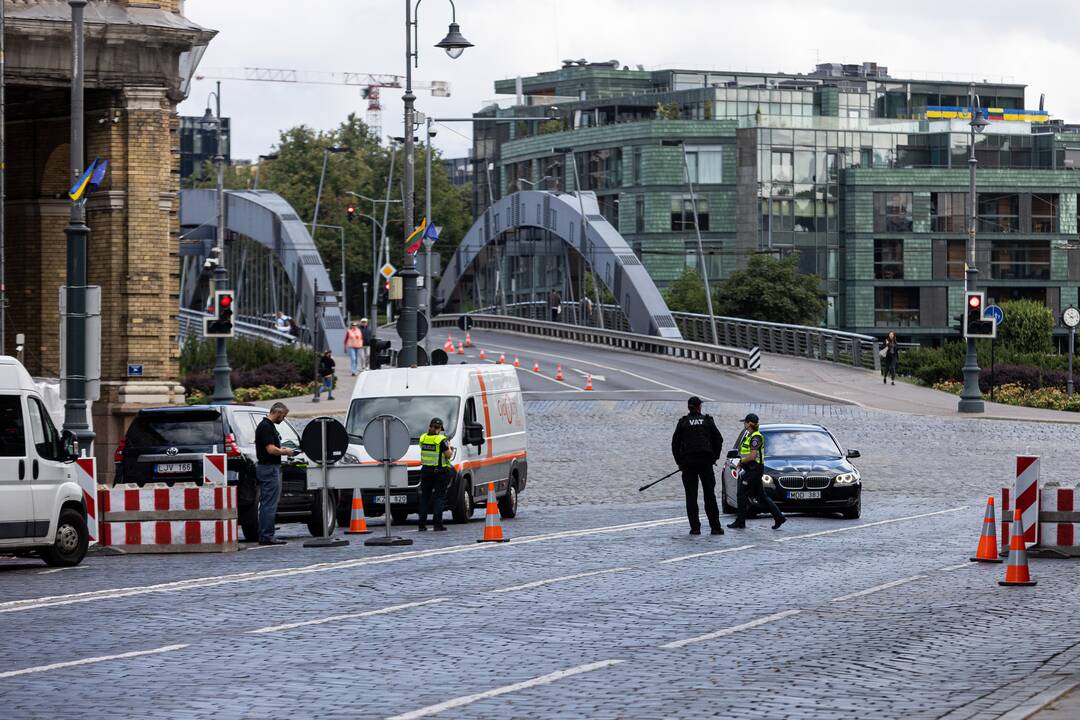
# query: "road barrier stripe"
[[789, 538], [349, 616], [878, 588], [731, 630], [539, 583], [524, 685], [705, 554], [89, 661]]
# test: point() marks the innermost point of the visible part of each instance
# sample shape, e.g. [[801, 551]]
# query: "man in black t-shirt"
[[268, 453]]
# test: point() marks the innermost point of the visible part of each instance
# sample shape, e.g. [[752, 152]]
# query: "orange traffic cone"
[[517, 363], [558, 372], [357, 521], [460, 349], [483, 355], [448, 346], [492, 528], [502, 359], [468, 340], [588, 382], [1016, 572], [536, 367], [987, 550]]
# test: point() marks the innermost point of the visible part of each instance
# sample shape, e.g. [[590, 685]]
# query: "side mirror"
[[473, 434], [853, 454], [71, 445], [732, 454]]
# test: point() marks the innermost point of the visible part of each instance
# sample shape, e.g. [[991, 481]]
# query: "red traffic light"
[[225, 301], [974, 301], [351, 209]]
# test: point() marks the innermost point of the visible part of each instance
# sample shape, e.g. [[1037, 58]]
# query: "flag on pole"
[[417, 235], [432, 233], [79, 188], [99, 176]]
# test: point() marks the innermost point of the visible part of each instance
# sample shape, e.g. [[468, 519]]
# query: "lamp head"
[[979, 121], [454, 43], [208, 120]]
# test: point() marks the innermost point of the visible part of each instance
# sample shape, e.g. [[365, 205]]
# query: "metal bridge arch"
[[612, 260], [266, 218]]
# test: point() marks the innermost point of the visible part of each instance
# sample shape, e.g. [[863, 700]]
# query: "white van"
[[484, 418], [41, 507]]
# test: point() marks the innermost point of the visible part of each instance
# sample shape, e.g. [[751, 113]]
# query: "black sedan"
[[806, 470]]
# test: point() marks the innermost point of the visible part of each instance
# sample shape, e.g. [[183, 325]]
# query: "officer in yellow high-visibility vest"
[[435, 456], [751, 468]]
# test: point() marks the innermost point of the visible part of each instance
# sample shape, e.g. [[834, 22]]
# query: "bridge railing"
[[687, 350], [796, 340], [191, 325], [572, 313]]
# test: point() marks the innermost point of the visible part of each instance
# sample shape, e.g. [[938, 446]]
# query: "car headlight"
[[847, 478], [349, 459], [766, 480]]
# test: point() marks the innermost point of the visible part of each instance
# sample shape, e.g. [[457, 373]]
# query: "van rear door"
[[16, 497]]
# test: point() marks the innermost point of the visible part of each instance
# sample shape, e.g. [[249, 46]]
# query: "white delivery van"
[[484, 418], [41, 507]]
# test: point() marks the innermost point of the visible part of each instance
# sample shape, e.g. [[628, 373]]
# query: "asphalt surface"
[[600, 606]]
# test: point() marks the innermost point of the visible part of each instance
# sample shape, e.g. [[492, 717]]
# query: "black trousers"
[[692, 473], [433, 482], [750, 487]]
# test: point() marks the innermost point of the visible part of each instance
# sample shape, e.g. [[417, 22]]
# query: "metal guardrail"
[[796, 340], [191, 325], [572, 313], [686, 350]]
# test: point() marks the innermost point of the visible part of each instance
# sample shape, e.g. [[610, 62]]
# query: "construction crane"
[[370, 82]]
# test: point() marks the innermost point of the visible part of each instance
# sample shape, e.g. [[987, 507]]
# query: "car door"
[[472, 454], [48, 470], [16, 495]]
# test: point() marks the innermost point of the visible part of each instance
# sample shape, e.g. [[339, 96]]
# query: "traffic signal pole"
[[971, 397]]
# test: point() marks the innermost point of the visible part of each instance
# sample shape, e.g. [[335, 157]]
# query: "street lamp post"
[[344, 295], [971, 397], [454, 45], [322, 177], [374, 313], [223, 392], [258, 167], [78, 235]]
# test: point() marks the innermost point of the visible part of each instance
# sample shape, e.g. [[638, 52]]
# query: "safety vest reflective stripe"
[[429, 451], [744, 446]]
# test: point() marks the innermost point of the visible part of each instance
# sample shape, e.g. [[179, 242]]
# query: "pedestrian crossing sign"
[[387, 271]]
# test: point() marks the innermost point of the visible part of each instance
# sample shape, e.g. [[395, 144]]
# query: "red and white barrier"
[[171, 535], [1054, 498], [1026, 494], [131, 498], [214, 469], [85, 476], [1059, 535]]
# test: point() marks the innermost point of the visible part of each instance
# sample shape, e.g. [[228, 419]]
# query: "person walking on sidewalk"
[[435, 457], [751, 468], [326, 376], [268, 454], [355, 347], [555, 304], [890, 358], [696, 445]]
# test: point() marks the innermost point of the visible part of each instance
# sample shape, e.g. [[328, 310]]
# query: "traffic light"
[[221, 325], [350, 212], [975, 325]]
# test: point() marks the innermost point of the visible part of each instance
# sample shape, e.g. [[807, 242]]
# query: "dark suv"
[[166, 445]]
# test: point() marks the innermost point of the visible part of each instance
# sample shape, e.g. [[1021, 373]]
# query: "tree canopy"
[[772, 290]]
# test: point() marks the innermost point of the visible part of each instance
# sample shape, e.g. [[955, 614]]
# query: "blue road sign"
[[994, 312], [135, 370]]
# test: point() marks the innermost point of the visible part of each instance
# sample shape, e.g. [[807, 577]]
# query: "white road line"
[[789, 538], [539, 583], [558, 382], [212, 581], [582, 373], [878, 588], [350, 616], [524, 685], [266, 547], [56, 570], [89, 661], [961, 566], [730, 630], [705, 554]]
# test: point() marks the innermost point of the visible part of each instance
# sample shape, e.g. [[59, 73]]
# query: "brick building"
[[139, 61]]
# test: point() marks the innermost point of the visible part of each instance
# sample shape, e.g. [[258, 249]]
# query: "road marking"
[[705, 554], [789, 538], [213, 581], [538, 583], [558, 382], [89, 661], [878, 588], [350, 616], [265, 547], [524, 685], [731, 630], [56, 570], [582, 373], [958, 567]]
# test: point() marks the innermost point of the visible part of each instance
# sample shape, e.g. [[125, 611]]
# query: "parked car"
[[166, 445], [806, 470]]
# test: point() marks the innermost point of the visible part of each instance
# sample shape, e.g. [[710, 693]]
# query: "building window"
[[896, 306], [955, 259], [782, 169], [889, 259], [636, 170], [551, 168], [999, 212], [609, 208], [1020, 260], [1044, 213], [639, 214], [706, 164], [947, 212], [600, 169], [892, 212], [682, 213]]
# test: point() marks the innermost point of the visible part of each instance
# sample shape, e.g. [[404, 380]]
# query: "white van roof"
[[13, 376], [433, 380]]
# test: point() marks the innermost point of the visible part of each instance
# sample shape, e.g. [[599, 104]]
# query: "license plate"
[[804, 495], [169, 468], [394, 499]]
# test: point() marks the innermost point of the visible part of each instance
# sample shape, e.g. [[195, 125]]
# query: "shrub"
[[198, 358], [1028, 327]]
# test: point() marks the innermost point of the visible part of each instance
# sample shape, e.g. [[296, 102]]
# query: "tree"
[[1028, 327], [772, 290], [687, 293]]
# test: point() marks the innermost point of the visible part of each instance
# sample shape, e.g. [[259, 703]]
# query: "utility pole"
[[408, 273], [3, 180], [971, 397]]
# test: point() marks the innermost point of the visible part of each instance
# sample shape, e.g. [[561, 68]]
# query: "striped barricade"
[[1059, 518]]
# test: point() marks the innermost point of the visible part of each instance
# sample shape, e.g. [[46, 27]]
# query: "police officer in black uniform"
[[696, 445]]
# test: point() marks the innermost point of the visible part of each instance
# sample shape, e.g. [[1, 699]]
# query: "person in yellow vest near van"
[[751, 467], [435, 457]]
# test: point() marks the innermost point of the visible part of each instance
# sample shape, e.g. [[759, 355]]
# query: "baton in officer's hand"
[[646, 487]]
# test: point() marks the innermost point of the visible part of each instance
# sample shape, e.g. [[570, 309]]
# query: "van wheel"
[[462, 510], [72, 539], [508, 503], [249, 522]]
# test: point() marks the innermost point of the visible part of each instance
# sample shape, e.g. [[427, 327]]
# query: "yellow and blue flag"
[[91, 180]]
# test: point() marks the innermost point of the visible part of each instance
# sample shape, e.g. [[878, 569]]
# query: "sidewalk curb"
[[1040, 701], [813, 393]]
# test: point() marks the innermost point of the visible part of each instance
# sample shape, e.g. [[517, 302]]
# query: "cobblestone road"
[[601, 606]]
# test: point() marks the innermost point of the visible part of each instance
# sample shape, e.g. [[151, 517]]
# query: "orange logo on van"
[[508, 409]]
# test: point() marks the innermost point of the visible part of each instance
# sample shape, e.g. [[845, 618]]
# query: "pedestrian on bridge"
[[751, 469], [435, 468], [555, 303], [696, 445]]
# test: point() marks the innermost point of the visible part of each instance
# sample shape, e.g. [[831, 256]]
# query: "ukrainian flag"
[[79, 188]]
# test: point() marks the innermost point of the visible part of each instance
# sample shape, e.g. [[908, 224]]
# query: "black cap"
[[750, 417], [693, 402], [436, 421]]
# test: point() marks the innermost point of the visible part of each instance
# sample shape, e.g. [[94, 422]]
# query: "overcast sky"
[[1026, 42]]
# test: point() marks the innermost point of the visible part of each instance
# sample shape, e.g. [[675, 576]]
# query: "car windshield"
[[800, 443], [415, 411], [193, 428]]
